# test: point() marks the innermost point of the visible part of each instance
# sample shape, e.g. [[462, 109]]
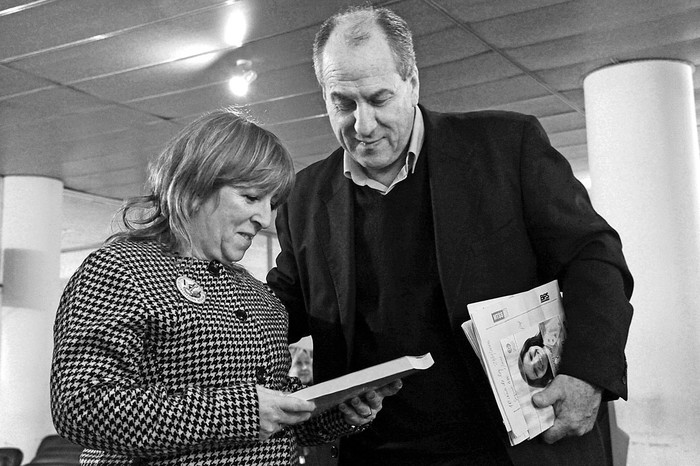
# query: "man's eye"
[[344, 105]]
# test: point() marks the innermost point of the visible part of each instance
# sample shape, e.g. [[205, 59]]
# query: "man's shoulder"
[[322, 169], [483, 126], [478, 118]]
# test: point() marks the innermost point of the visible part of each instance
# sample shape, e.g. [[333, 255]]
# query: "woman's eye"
[[252, 198]]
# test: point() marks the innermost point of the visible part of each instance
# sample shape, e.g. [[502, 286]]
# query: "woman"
[[167, 352], [302, 364]]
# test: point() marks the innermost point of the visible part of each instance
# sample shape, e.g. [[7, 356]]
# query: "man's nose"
[[365, 120]]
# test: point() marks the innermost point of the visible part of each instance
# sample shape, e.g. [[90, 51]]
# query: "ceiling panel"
[[470, 11], [573, 137], [289, 109], [423, 18], [16, 82], [190, 102], [541, 106], [563, 122], [45, 103], [90, 167], [301, 129], [573, 18], [53, 24], [160, 42], [90, 91], [610, 44], [483, 68], [80, 125], [487, 95]]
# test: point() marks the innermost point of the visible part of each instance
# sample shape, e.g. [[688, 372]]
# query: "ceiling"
[[89, 91]]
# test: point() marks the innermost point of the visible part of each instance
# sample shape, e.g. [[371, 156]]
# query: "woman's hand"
[[278, 411], [362, 410]]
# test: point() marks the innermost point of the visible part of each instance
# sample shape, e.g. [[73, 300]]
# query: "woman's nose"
[[263, 214]]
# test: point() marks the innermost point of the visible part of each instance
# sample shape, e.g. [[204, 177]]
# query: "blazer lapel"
[[338, 243], [455, 190]]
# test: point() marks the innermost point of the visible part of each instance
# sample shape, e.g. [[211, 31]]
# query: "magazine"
[[518, 339], [333, 392]]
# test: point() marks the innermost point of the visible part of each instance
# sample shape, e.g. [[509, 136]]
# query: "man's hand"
[[575, 405], [362, 410]]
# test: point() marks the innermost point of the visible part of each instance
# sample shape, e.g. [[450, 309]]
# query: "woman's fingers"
[[278, 410]]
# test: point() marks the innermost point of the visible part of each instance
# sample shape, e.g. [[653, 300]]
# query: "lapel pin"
[[190, 289]]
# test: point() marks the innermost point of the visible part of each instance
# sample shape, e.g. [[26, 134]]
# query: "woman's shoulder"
[[125, 254]]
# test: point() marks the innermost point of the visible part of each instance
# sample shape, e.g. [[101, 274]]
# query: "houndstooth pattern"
[[141, 375]]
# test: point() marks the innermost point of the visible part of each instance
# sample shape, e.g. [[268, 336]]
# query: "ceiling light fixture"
[[239, 83], [236, 28]]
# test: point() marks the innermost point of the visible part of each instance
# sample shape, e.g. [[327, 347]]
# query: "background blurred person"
[[302, 363]]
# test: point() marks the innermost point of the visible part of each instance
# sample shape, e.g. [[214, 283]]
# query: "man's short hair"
[[395, 29]]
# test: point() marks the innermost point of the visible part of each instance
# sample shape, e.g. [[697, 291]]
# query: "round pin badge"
[[190, 289]]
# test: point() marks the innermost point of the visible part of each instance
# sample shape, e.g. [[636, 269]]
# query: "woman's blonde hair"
[[221, 148]]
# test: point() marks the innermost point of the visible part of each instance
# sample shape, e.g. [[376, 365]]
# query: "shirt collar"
[[356, 173]]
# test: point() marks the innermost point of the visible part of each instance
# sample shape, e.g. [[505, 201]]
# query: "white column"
[[645, 180], [31, 242]]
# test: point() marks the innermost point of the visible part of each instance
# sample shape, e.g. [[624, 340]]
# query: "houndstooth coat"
[[143, 375]]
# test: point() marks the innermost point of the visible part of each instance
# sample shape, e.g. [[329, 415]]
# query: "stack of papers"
[[519, 339]]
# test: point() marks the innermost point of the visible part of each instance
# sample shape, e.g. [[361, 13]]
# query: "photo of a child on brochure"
[[533, 356]]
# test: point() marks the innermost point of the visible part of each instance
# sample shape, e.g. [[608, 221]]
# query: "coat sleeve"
[[98, 398], [577, 246]]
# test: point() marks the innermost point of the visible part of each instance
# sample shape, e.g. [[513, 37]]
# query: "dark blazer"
[[508, 215]]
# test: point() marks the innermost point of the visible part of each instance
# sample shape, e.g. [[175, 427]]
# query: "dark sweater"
[[401, 311]]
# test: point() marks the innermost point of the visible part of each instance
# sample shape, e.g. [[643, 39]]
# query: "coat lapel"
[[455, 190], [336, 227]]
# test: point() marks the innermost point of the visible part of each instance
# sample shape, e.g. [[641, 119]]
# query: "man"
[[385, 242]]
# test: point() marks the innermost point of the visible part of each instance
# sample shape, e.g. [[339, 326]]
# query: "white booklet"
[[333, 392], [519, 339]]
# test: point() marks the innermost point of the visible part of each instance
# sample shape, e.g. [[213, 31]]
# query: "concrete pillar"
[[645, 180], [31, 242]]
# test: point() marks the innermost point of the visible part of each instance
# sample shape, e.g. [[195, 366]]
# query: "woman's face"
[[301, 367], [535, 363], [224, 226]]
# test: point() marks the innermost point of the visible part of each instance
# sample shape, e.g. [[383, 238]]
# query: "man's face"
[[371, 109]]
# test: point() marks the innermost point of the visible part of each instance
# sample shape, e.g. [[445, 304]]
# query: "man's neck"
[[388, 174]]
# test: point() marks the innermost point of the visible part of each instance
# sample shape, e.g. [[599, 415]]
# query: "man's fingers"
[[390, 389], [547, 397], [554, 433]]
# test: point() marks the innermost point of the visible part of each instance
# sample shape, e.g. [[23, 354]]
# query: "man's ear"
[[415, 86]]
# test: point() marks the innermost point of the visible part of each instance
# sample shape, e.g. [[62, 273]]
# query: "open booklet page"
[[333, 392], [519, 339]]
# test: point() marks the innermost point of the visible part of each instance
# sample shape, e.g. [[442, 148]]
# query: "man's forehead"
[[367, 75], [367, 87]]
